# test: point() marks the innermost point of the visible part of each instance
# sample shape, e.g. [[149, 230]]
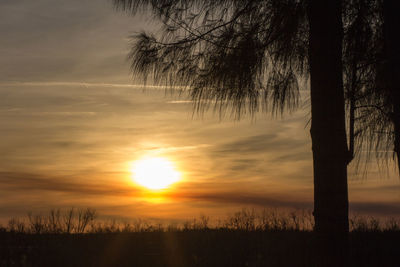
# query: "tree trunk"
[[328, 132]]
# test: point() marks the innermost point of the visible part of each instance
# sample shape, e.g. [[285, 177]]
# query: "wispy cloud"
[[258, 144], [241, 198], [176, 148], [83, 84], [30, 182], [180, 102]]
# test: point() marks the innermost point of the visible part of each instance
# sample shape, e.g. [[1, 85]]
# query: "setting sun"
[[154, 173]]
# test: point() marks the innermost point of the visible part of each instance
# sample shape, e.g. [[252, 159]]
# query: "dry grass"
[[79, 221], [245, 238]]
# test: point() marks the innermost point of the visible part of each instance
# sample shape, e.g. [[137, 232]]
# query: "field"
[[242, 242]]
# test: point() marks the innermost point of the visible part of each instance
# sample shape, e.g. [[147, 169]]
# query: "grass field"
[[241, 240]]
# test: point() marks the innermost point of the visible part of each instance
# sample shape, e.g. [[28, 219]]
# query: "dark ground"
[[189, 248]]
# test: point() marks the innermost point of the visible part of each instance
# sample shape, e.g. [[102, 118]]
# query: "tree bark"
[[328, 132]]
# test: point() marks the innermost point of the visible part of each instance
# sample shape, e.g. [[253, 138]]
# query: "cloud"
[[241, 198], [64, 40], [259, 144], [170, 149], [67, 103], [180, 102], [83, 84], [293, 157], [289, 200], [30, 182], [210, 194]]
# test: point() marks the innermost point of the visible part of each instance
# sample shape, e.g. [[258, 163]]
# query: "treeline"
[[79, 221], [55, 221]]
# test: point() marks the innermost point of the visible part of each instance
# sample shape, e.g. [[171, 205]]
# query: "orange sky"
[[72, 123]]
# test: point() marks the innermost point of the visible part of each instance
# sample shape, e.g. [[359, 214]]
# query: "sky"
[[74, 122]]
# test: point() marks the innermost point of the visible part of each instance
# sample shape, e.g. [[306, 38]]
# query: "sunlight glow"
[[155, 173]]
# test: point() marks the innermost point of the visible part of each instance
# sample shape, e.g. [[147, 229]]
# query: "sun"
[[154, 173]]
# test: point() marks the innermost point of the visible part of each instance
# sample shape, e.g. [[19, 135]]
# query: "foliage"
[[369, 98], [247, 55], [229, 53]]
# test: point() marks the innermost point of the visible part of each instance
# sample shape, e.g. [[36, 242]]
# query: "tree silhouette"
[[371, 53], [242, 55], [386, 84]]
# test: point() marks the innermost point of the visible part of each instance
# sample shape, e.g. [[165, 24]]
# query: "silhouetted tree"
[[371, 54], [387, 77], [243, 55], [391, 23]]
